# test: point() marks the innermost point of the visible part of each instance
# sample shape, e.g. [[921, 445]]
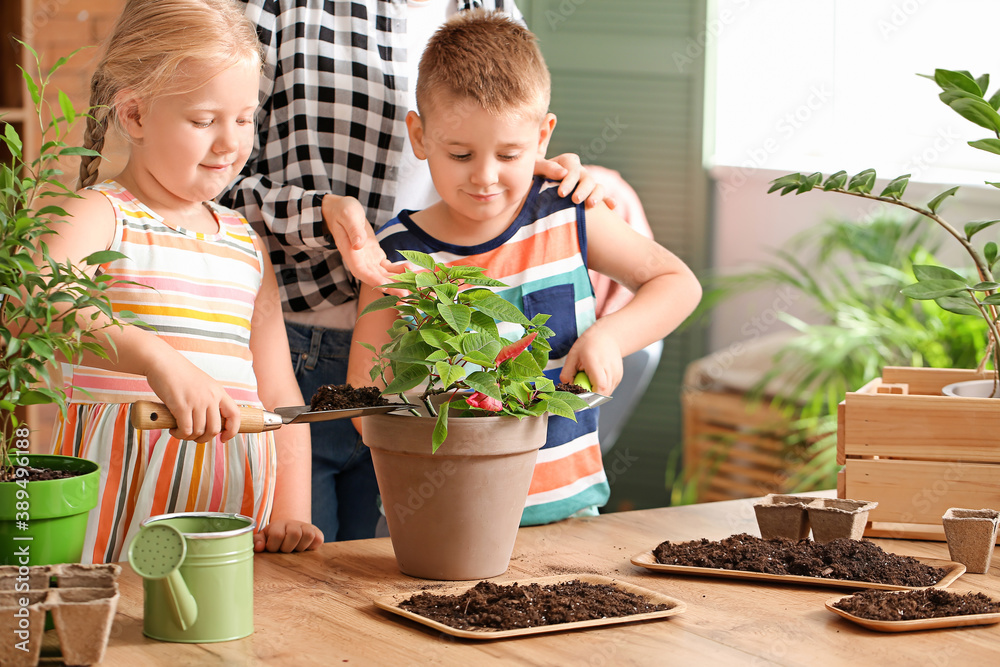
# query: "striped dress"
[[542, 258], [195, 291]]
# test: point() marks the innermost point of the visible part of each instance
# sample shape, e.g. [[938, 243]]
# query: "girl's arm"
[[371, 329], [666, 292], [201, 406], [289, 528]]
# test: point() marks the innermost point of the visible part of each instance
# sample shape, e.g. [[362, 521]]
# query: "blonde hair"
[[488, 58], [147, 51]]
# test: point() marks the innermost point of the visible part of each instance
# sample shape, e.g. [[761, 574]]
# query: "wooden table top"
[[316, 608]]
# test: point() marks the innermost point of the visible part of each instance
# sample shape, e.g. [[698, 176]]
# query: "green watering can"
[[197, 571]]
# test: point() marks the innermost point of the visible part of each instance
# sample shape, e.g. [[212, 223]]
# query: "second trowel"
[[147, 415]]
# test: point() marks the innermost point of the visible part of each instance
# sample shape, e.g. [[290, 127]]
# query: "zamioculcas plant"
[[953, 291], [46, 307], [448, 341]]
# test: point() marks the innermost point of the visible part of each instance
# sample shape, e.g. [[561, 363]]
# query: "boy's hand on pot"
[[597, 355], [286, 536]]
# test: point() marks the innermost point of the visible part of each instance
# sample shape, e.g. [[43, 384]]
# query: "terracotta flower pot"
[[835, 518], [971, 536], [781, 515], [453, 515]]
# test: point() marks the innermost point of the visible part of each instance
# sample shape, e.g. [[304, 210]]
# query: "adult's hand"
[[575, 178], [355, 239]]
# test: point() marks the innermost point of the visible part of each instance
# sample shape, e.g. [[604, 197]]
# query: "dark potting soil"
[[35, 474], [852, 560], [343, 396], [490, 606], [570, 387], [912, 605]]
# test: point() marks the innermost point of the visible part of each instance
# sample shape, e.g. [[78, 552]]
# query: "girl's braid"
[[93, 137]]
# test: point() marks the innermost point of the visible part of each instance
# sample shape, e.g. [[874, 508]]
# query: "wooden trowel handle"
[[147, 415]]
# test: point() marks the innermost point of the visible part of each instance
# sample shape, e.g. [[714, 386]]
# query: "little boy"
[[482, 119]]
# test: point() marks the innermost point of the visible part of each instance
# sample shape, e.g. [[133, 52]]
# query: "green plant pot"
[[52, 527]]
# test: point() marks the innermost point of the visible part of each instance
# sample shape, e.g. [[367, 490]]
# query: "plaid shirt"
[[332, 120]]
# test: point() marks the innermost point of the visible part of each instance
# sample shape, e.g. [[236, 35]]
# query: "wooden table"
[[315, 608]]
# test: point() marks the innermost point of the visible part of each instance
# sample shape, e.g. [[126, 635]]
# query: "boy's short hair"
[[488, 58]]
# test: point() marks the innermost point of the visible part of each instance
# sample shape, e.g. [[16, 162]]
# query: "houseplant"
[[454, 475], [962, 292], [46, 308], [902, 442]]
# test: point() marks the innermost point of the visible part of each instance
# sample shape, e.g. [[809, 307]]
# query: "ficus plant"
[[447, 341], [979, 295], [47, 307]]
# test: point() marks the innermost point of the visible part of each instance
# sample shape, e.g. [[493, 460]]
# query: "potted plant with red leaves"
[[454, 475]]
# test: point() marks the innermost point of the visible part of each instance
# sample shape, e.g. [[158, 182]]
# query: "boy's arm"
[[372, 329], [666, 292], [289, 528]]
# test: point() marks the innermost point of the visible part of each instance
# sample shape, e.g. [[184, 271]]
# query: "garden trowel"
[[148, 415]]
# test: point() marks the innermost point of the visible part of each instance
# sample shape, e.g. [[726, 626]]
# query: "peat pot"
[[971, 535], [782, 515], [453, 515]]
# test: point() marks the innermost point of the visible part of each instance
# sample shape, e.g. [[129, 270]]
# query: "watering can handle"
[[149, 415]]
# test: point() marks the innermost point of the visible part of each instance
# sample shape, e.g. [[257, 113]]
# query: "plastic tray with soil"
[[902, 611], [490, 610], [840, 563]]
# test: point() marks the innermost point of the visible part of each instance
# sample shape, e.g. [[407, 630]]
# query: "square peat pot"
[[782, 515], [836, 518], [971, 535]]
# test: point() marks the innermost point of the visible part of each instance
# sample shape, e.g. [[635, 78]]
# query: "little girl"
[[180, 78]]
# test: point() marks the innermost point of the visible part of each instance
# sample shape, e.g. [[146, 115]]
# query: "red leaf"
[[480, 400], [515, 348]]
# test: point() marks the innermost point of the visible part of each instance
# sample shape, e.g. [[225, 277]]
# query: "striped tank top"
[[196, 292], [541, 257]]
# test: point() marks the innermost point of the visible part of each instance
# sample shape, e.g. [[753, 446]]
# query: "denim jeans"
[[344, 490]]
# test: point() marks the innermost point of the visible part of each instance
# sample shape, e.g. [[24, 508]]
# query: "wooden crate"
[[917, 452], [735, 447]]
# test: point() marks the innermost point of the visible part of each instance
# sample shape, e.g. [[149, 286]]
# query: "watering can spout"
[[182, 603]]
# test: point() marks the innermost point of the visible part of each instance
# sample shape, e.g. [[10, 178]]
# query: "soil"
[[36, 474], [570, 387], [912, 605], [343, 396], [852, 560], [491, 606]]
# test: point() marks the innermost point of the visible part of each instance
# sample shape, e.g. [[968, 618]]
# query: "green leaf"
[[102, 257], [559, 404], [896, 187], [73, 151], [502, 310], [485, 324], [421, 259], [994, 100], [69, 113], [862, 182], [440, 429], [478, 358], [12, 140], [935, 203], [488, 346], [434, 338], [485, 383], [972, 228], [836, 181], [29, 81], [407, 378], [933, 289], [458, 316], [978, 112], [449, 374], [991, 300], [960, 304], [952, 80], [785, 182], [931, 272], [990, 252], [446, 291], [524, 366], [988, 145], [985, 286], [380, 303], [426, 279]]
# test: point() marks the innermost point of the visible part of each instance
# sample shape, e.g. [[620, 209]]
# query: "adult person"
[[330, 160]]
